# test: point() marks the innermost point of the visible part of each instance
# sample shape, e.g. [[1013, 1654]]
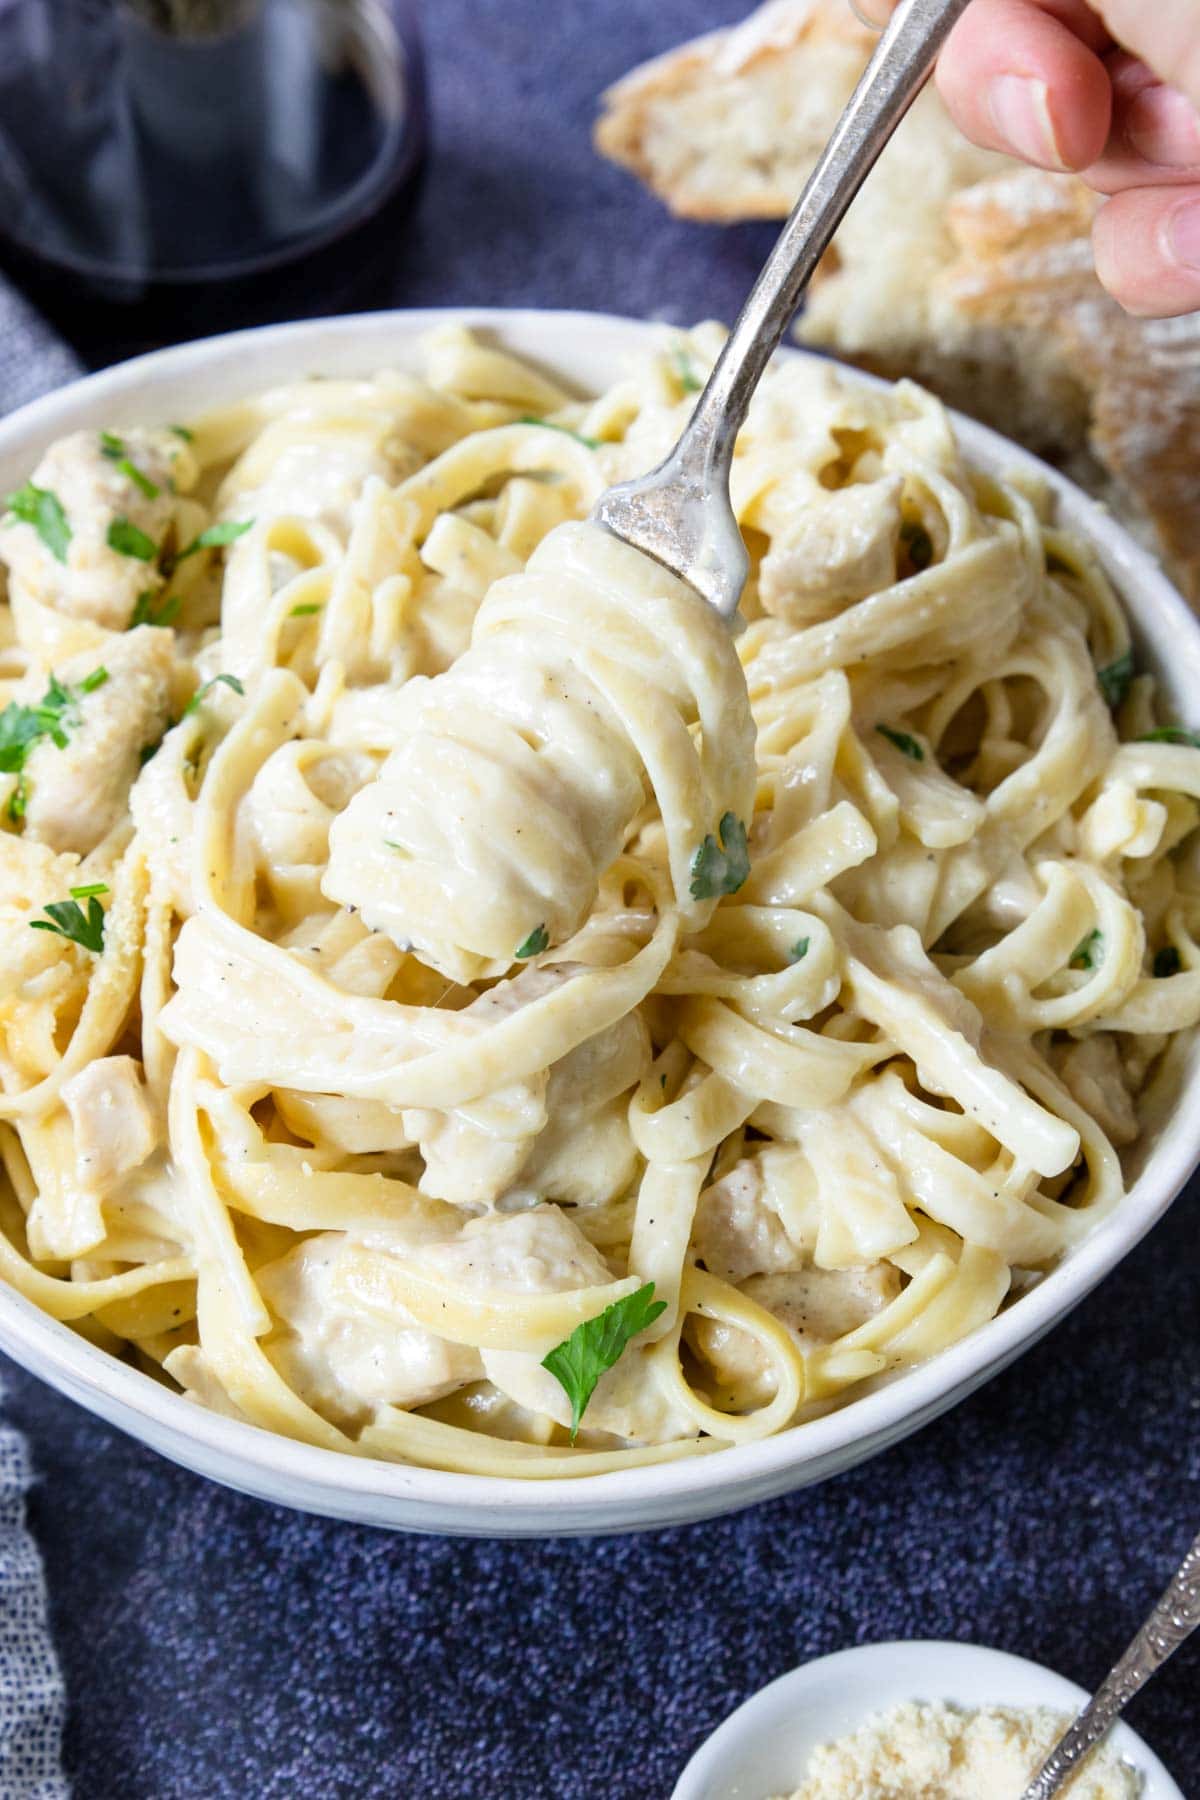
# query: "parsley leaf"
[[918, 543], [181, 431], [578, 1363], [43, 510], [21, 727], [1114, 679], [1171, 734], [531, 419], [1089, 951], [1167, 961], [114, 448], [306, 610], [142, 482], [721, 867], [799, 950], [535, 943], [907, 745], [68, 919], [686, 372], [214, 536], [146, 613], [231, 681], [129, 539]]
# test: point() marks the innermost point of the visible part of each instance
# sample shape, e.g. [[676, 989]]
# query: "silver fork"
[[680, 513], [1175, 1618]]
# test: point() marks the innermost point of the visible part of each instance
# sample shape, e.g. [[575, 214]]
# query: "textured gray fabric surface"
[[32, 1701], [219, 1649], [33, 359]]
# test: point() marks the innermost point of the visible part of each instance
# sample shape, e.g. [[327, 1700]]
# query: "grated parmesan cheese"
[[935, 1752]]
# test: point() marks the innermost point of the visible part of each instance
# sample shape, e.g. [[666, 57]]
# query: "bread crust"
[[963, 268]]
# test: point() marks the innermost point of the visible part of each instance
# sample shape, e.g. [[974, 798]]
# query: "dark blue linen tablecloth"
[[219, 1649]]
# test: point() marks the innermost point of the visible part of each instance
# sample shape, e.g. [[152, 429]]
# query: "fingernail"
[[1020, 109], [1163, 126], [1183, 235]]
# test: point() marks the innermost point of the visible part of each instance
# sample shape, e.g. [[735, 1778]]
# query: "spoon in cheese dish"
[[680, 513], [1175, 1617]]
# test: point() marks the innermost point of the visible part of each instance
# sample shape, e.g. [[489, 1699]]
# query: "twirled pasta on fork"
[[460, 1004]]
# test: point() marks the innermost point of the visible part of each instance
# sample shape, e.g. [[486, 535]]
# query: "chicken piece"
[[76, 794], [1094, 1074], [87, 475], [474, 1154], [586, 1154], [816, 1306], [838, 548], [115, 1129], [542, 1252], [345, 1362], [738, 1230], [629, 1402], [539, 1251], [30, 874]]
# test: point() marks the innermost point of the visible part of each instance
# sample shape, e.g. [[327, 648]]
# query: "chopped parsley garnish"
[[68, 919], [214, 536], [578, 1363], [1114, 679], [1089, 951], [1167, 961], [722, 863], [799, 950], [231, 681], [181, 431], [43, 510], [142, 482], [146, 613], [537, 941], [21, 727], [908, 746], [1171, 734], [531, 419], [306, 610], [918, 543], [129, 539], [114, 448], [685, 371]]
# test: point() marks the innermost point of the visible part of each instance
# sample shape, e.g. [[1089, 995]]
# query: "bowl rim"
[[666, 1491]]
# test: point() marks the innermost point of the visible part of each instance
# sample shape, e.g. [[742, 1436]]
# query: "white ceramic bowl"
[[587, 349], [762, 1748]]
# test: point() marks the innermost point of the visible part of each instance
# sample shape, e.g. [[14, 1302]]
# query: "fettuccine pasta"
[[428, 931]]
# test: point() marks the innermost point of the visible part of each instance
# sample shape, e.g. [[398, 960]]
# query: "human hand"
[[1111, 90]]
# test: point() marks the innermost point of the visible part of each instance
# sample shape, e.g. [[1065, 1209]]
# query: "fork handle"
[[1175, 1617], [903, 60]]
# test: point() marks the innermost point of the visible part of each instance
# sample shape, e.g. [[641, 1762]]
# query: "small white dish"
[[761, 1749]]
